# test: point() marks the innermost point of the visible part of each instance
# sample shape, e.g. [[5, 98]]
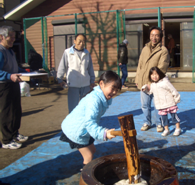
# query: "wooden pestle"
[[131, 149], [119, 133], [116, 133]]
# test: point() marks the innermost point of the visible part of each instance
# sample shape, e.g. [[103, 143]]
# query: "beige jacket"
[[165, 95], [159, 57]]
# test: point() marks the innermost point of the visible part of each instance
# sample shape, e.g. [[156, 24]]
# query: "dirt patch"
[[42, 115]]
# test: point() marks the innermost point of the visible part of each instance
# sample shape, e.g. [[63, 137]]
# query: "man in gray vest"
[[10, 99], [77, 64]]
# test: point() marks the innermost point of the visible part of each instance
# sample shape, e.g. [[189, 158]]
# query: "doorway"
[[64, 36], [138, 35], [172, 29]]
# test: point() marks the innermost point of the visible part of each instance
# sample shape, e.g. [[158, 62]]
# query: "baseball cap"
[[125, 41]]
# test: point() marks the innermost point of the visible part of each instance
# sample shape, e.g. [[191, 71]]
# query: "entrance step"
[[181, 84], [131, 79], [172, 80], [180, 80]]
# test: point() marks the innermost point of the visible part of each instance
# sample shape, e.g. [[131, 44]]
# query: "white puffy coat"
[[165, 95]]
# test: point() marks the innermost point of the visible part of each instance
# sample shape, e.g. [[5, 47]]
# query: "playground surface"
[[53, 162], [42, 115]]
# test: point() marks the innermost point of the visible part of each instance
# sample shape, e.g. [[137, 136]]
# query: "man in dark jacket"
[[10, 99], [35, 60], [123, 59]]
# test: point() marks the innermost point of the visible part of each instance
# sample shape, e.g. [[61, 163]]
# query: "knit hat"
[[125, 41]]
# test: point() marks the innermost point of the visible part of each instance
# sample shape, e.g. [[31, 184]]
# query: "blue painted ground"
[[55, 163]]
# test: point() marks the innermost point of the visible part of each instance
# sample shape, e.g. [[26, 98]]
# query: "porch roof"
[[20, 10]]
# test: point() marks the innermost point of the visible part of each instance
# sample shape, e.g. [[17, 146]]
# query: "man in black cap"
[[123, 60]]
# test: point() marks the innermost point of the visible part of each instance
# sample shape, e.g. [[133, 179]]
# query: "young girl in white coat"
[[166, 98]]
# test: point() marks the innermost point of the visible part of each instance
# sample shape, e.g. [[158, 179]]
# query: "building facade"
[[53, 23], [5, 7]]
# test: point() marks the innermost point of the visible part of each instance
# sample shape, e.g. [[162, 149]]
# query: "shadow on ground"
[[67, 166]]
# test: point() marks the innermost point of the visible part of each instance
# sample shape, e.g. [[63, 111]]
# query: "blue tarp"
[[55, 163]]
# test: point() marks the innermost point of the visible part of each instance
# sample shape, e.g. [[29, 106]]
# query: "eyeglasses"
[[81, 41], [156, 36]]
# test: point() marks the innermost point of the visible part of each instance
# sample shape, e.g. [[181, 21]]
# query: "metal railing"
[[120, 29]]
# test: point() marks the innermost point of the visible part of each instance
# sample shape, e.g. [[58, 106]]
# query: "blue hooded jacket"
[[83, 121]]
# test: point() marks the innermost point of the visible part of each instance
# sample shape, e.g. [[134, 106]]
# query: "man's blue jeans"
[[146, 101], [124, 73]]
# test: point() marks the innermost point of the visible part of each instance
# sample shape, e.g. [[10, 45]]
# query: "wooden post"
[[131, 149]]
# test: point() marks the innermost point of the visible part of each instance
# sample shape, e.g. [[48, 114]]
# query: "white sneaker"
[[165, 133], [21, 138], [12, 145], [145, 127], [177, 132], [159, 128]]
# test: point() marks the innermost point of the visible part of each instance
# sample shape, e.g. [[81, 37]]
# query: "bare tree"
[[104, 32]]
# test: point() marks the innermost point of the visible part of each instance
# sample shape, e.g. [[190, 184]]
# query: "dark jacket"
[[35, 60], [8, 64], [123, 54]]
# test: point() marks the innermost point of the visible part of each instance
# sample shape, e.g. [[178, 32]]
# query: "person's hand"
[[63, 84], [144, 87], [109, 135], [16, 78], [136, 84], [148, 86], [120, 64], [92, 85]]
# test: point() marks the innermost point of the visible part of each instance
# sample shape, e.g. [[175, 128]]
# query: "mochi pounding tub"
[[131, 167]]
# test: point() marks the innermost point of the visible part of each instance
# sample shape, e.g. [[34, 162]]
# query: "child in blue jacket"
[[81, 126]]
